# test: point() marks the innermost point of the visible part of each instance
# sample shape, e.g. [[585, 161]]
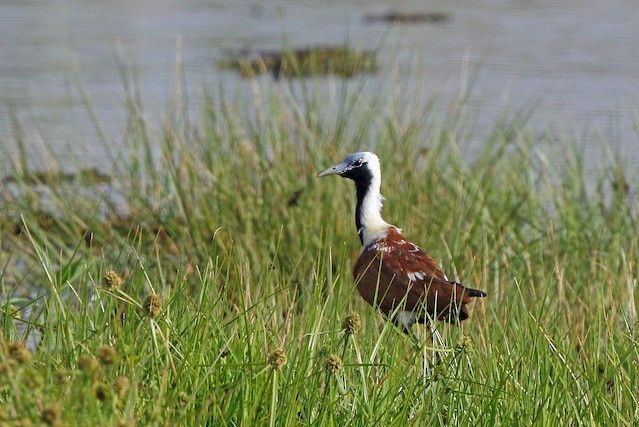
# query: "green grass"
[[247, 257]]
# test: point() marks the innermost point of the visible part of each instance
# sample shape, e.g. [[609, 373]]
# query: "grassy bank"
[[209, 279]]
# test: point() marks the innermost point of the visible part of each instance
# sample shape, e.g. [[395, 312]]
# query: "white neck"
[[370, 223]]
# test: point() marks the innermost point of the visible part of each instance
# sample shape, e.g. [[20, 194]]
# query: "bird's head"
[[363, 168], [360, 166]]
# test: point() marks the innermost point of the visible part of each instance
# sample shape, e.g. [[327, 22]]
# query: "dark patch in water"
[[409, 18], [304, 62]]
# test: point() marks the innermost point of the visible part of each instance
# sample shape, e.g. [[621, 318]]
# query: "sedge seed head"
[[183, 398], [277, 359], [7, 367], [464, 342], [333, 363], [153, 305], [62, 376], [107, 355], [101, 391], [351, 324], [50, 415], [87, 363], [19, 352], [112, 281], [126, 422], [122, 385], [33, 380]]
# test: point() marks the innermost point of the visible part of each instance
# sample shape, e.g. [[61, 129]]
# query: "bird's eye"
[[357, 163]]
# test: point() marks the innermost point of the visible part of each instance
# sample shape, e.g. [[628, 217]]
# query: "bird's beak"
[[334, 170]]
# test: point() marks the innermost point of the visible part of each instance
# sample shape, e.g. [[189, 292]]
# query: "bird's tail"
[[473, 293], [463, 299]]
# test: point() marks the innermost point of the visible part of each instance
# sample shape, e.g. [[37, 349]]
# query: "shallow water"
[[577, 62]]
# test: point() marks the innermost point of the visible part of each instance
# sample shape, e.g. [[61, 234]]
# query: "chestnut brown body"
[[395, 275]]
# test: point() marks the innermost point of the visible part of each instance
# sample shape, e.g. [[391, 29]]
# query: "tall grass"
[[236, 277]]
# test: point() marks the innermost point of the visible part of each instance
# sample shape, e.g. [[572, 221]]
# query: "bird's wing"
[[408, 257], [405, 276]]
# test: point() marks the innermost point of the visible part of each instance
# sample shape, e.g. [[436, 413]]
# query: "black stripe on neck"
[[363, 178]]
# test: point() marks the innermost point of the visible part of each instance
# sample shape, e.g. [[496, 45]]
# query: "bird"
[[391, 273]]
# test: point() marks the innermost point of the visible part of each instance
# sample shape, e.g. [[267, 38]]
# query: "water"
[[577, 62]]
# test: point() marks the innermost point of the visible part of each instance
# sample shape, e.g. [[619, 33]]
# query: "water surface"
[[577, 62]]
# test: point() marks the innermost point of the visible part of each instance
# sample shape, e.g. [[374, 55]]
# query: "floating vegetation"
[[409, 18], [305, 62]]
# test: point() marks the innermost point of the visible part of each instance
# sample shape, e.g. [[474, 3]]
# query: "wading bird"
[[391, 273]]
